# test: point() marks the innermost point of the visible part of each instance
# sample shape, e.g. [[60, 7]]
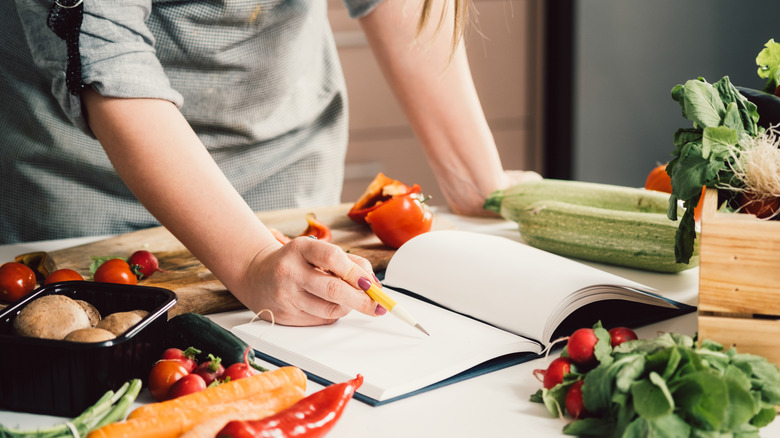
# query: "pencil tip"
[[422, 329]]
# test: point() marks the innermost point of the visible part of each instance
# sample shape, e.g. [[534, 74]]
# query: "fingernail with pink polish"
[[364, 283], [380, 311]]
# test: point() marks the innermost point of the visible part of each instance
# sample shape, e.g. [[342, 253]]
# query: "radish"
[[555, 372], [239, 370], [144, 263], [574, 404], [211, 370], [581, 346], [618, 335]]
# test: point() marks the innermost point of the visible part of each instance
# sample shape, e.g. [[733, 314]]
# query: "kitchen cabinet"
[[505, 52]]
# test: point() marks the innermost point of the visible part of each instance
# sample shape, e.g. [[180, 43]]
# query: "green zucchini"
[[510, 201], [195, 330], [604, 223]]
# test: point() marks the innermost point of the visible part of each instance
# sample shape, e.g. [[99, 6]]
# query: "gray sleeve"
[[359, 8], [116, 49]]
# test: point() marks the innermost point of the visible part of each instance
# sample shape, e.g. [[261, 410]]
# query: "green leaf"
[[633, 368], [669, 426], [554, 399], [603, 348], [652, 398], [703, 397], [596, 427], [703, 105], [740, 405], [717, 141], [768, 61], [764, 417], [597, 390]]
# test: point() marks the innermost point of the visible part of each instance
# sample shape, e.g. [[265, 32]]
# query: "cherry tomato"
[[16, 281], [399, 219], [189, 384], [63, 275], [115, 271], [163, 375], [185, 357]]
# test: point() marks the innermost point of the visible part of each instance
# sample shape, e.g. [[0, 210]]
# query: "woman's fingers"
[[332, 276]]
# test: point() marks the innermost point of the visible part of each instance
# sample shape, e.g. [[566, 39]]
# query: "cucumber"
[[510, 201], [604, 223], [195, 330]]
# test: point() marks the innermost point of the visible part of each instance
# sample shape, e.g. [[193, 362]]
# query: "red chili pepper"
[[312, 417], [317, 228]]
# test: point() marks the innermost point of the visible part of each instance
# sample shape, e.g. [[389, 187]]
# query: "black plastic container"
[[61, 378]]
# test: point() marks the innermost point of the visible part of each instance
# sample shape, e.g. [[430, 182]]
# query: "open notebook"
[[488, 302]]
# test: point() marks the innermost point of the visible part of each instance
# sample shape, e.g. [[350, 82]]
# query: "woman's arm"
[[438, 96], [168, 169]]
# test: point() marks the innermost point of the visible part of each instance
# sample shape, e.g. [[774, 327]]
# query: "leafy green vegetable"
[[669, 387], [768, 61], [721, 117]]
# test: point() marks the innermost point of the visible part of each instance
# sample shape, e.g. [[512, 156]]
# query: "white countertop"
[[494, 404]]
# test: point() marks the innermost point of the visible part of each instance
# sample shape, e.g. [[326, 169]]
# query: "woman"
[[198, 113]]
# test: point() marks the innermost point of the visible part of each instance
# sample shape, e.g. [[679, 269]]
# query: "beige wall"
[[505, 56]]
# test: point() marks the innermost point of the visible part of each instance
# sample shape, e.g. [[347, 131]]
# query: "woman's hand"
[[468, 200], [305, 282]]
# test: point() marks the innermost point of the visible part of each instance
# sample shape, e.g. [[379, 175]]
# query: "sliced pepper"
[[317, 228], [380, 190]]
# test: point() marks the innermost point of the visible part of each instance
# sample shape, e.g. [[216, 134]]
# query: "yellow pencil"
[[390, 304]]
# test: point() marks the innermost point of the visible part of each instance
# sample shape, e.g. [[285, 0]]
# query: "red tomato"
[[163, 375], [399, 219], [189, 384], [16, 281], [63, 275], [115, 271]]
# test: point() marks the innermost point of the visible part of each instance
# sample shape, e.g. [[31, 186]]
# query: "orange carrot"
[[209, 428], [179, 421], [226, 392]]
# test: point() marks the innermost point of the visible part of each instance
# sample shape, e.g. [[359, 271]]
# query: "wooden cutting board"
[[197, 289]]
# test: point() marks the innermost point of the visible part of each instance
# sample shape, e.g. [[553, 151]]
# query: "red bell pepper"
[[380, 190]]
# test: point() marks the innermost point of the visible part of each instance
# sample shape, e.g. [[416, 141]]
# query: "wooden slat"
[[739, 264], [747, 335]]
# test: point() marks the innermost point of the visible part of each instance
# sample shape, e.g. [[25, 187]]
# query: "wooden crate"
[[739, 281]]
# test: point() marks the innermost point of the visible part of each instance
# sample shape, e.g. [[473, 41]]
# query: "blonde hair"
[[460, 18]]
